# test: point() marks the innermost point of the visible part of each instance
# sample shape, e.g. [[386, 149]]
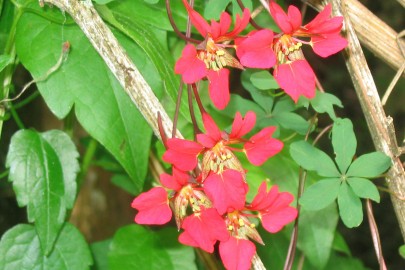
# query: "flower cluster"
[[210, 202], [260, 49], [206, 190]]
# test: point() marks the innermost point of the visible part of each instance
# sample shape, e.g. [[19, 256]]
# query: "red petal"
[[189, 66], [294, 16], [237, 254], [256, 50], [175, 182], [241, 127], [320, 18], [227, 191], [264, 199], [219, 87], [281, 18], [220, 29], [296, 78], [153, 207], [326, 46], [240, 24], [275, 221], [182, 153], [204, 229], [197, 20], [211, 128], [261, 146]]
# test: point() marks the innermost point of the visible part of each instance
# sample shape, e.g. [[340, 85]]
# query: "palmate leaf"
[[43, 177], [20, 249], [344, 143], [364, 188], [101, 105], [321, 194], [350, 207], [369, 165]]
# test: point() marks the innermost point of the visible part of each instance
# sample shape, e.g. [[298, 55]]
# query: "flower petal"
[[256, 51], [296, 78], [189, 66], [287, 24], [227, 190], [182, 153], [219, 87], [240, 25], [274, 221], [242, 126], [153, 207], [203, 229], [326, 46], [175, 181], [197, 20], [237, 254], [262, 146]]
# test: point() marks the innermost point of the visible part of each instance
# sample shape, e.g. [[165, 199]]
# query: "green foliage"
[[324, 102], [20, 249], [137, 247], [263, 80], [43, 170], [5, 60], [348, 186], [106, 113]]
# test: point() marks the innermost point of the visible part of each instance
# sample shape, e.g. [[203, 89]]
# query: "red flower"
[[210, 57], [203, 229], [298, 78], [273, 208], [237, 254], [227, 190], [153, 207]]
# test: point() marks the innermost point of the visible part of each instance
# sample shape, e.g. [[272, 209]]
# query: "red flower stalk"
[[209, 58]]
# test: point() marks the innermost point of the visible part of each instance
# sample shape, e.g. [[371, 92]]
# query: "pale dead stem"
[[117, 60]]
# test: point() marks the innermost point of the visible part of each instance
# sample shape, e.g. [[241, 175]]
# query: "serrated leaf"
[[350, 207], [214, 8], [5, 60], [263, 80], [317, 231], [101, 105], [68, 155], [37, 177], [321, 194], [364, 188], [324, 102], [313, 159], [369, 165], [292, 121], [20, 249], [344, 143], [137, 247]]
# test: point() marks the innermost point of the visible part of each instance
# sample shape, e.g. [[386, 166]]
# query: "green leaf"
[[239, 104], [20, 249], [313, 159], [293, 121], [402, 251], [137, 247], [323, 102], [369, 165], [364, 188], [37, 176], [317, 231], [100, 250], [151, 2], [344, 143], [350, 207], [5, 60], [263, 80], [124, 182], [339, 244], [262, 98], [103, 2], [214, 8], [339, 262], [141, 33], [321, 194], [68, 155], [101, 105]]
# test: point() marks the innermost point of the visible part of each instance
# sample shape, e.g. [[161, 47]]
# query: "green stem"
[[4, 174], [16, 118], [68, 123], [26, 101], [6, 76], [87, 158]]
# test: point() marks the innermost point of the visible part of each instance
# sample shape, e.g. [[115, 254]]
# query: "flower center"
[[212, 55], [287, 49]]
